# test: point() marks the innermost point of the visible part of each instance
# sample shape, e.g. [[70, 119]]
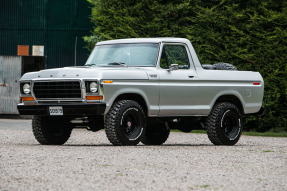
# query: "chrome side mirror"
[[173, 67]]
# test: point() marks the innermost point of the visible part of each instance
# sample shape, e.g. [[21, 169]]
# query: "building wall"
[[10, 73], [54, 24]]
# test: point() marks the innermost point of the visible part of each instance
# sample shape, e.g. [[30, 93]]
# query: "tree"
[[251, 35]]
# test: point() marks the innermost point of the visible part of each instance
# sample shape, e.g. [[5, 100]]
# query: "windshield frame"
[[123, 65]]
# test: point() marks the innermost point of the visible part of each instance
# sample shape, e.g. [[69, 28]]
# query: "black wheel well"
[[135, 97], [232, 99]]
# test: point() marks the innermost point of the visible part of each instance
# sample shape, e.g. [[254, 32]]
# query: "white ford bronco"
[[139, 89]]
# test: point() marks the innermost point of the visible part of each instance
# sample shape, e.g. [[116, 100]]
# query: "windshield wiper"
[[90, 64], [117, 63]]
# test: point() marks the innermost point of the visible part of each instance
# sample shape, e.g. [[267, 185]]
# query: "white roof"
[[144, 40]]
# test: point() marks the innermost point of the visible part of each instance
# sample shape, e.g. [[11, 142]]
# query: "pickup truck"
[[137, 90]]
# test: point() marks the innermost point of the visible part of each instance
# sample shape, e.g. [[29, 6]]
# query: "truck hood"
[[84, 72]]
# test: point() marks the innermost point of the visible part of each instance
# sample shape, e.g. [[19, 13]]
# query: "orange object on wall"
[[23, 50]]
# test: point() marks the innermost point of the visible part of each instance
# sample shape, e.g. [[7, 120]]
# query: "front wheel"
[[125, 123], [50, 130], [223, 124]]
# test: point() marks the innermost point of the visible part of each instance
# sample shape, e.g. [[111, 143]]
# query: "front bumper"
[[68, 109]]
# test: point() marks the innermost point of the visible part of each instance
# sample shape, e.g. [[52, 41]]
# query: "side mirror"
[[173, 67]]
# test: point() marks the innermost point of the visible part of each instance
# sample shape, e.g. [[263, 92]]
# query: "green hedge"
[[251, 35]]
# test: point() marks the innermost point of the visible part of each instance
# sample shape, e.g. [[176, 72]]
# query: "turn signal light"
[[108, 81], [256, 83], [27, 98], [94, 97]]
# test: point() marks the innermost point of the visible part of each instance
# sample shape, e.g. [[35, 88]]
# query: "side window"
[[174, 54]]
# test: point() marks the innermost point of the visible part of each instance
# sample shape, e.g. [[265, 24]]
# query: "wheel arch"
[[135, 97], [232, 99]]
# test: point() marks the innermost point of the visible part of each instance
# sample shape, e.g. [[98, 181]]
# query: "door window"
[[174, 54]]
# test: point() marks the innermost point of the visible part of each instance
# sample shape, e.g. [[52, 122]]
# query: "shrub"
[[251, 35]]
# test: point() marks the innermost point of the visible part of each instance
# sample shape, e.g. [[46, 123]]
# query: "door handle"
[[190, 76]]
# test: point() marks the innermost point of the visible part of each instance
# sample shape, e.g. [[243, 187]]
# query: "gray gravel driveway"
[[185, 162]]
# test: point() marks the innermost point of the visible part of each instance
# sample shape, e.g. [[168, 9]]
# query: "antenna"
[[76, 41]]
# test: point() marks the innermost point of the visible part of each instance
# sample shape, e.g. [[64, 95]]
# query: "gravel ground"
[[185, 162]]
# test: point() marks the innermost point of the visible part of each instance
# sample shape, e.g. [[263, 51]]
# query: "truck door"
[[178, 81]]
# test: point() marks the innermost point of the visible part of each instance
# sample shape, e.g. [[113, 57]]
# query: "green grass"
[[266, 134], [106, 165], [204, 186], [199, 131], [193, 131], [267, 151]]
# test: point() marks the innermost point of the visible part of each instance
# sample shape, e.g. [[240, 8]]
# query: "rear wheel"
[[223, 124], [156, 134], [125, 123], [50, 130]]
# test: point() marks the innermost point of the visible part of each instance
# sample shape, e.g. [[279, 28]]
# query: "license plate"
[[56, 110]]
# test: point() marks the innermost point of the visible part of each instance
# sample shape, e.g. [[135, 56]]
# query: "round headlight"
[[26, 88], [93, 87]]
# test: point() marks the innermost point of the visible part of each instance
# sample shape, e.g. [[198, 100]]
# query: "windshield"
[[124, 55]]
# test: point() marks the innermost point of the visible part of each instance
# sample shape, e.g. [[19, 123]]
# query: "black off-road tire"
[[50, 130], [156, 134], [125, 123], [224, 66], [223, 125]]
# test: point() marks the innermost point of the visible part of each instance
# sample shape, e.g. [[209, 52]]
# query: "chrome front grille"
[[57, 90]]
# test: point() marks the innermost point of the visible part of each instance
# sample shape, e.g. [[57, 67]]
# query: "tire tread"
[[214, 132], [151, 139], [40, 130], [113, 134], [224, 66]]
